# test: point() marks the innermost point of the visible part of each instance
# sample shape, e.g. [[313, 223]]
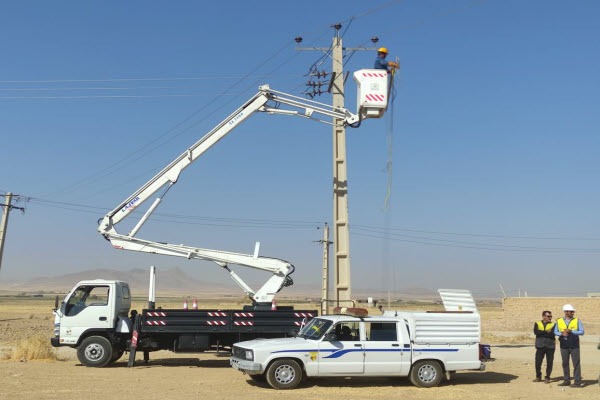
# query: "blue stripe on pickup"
[[339, 353]]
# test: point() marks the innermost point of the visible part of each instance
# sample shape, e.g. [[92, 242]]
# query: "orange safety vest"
[[548, 328], [562, 325]]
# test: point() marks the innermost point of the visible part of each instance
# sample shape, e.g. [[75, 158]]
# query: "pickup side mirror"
[[330, 337]]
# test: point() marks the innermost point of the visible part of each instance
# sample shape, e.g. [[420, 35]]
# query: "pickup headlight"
[[249, 355], [56, 329]]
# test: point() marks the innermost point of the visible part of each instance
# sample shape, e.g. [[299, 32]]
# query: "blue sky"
[[494, 154]]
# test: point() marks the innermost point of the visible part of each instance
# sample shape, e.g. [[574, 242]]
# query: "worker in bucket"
[[382, 63]]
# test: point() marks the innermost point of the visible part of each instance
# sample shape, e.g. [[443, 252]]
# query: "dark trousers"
[[574, 354], [539, 357]]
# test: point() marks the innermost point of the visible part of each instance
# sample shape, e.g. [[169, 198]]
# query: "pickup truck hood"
[[276, 344]]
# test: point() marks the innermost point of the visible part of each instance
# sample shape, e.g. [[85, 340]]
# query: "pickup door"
[[375, 348], [387, 350], [345, 355]]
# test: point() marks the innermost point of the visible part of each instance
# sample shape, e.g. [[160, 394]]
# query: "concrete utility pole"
[[341, 233], [4, 223]]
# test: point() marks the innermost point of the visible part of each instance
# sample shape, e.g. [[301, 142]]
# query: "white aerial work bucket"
[[372, 92]]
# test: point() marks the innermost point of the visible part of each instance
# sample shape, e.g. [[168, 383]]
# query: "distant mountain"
[[167, 281], [175, 282]]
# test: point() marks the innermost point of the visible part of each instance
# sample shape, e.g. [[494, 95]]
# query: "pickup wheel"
[[284, 374], [426, 373], [95, 351]]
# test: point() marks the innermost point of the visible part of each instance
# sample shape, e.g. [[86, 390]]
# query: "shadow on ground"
[[467, 378], [173, 362]]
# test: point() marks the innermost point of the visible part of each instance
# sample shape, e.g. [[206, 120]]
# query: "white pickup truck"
[[422, 345]]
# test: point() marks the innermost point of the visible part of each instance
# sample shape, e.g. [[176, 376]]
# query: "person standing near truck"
[[545, 345], [568, 329]]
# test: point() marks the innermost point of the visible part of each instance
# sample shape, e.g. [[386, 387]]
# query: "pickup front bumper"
[[249, 367]]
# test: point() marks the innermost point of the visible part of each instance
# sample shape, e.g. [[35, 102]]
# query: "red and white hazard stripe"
[[156, 314], [303, 315], [156, 323], [375, 74], [243, 314], [375, 97], [212, 323], [243, 323], [217, 314]]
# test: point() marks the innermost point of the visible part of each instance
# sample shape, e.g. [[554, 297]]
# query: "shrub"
[[33, 348]]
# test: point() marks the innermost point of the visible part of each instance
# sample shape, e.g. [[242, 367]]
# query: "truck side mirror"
[[56, 303], [330, 337]]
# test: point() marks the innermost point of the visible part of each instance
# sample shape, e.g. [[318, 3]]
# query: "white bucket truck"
[[424, 346]]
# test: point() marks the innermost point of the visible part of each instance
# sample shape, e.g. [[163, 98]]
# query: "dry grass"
[[33, 348]]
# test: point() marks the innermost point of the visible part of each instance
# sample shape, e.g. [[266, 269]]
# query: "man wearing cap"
[[545, 345], [382, 63], [568, 329]]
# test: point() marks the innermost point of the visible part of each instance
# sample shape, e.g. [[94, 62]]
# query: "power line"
[[371, 231], [203, 78], [485, 246], [99, 97], [154, 144], [482, 234]]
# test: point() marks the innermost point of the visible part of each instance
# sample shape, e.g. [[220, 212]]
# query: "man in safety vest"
[[545, 345], [568, 329]]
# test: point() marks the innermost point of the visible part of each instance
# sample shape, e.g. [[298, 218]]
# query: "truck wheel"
[[95, 351], [426, 373], [284, 374]]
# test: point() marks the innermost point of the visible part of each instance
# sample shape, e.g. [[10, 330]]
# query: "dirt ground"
[[193, 376]]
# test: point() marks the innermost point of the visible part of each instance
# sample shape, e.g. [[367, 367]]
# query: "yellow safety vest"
[[562, 325], [548, 328]]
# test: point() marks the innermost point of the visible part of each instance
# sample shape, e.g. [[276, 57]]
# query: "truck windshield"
[[85, 296], [315, 329]]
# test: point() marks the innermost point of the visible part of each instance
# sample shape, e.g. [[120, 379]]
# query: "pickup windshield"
[[315, 329]]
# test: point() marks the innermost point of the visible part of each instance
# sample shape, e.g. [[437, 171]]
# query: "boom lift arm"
[[266, 100]]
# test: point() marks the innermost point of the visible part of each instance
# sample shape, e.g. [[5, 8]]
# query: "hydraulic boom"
[[266, 100]]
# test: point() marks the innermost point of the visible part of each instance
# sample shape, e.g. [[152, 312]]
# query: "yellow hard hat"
[[382, 50]]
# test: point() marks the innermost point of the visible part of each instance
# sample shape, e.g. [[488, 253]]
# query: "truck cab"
[[94, 307]]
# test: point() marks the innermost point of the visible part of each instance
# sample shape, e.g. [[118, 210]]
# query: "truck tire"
[[95, 351], [284, 374], [426, 373]]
